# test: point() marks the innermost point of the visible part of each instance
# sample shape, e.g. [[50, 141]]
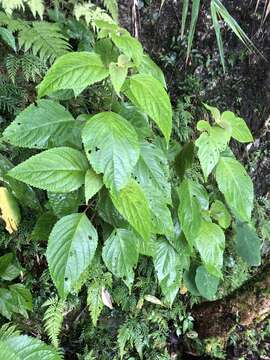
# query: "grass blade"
[[218, 34], [194, 18], [234, 26], [184, 17]]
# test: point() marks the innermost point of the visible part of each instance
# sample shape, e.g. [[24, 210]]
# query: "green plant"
[[14, 298], [53, 319], [218, 12], [118, 189], [17, 347]]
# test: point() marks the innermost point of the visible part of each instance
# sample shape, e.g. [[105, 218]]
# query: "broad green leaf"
[[93, 183], [206, 283], [43, 226], [23, 193], [120, 254], [71, 248], [137, 118], [149, 95], [22, 347], [149, 67], [9, 267], [248, 244], [214, 112], [130, 46], [146, 247], [239, 128], [107, 51], [168, 268], [42, 126], [63, 204], [210, 242], [184, 159], [74, 71], [219, 212], [112, 147], [160, 214], [118, 76], [59, 170], [8, 38], [203, 125], [6, 303], [209, 148], [10, 211], [189, 280], [193, 198], [152, 173], [21, 299], [132, 204], [236, 186], [15, 299], [108, 212]]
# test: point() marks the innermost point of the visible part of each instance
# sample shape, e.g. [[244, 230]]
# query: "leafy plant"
[[14, 298], [19, 347], [118, 189]]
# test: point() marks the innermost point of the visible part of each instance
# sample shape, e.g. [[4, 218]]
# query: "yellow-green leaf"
[[10, 211]]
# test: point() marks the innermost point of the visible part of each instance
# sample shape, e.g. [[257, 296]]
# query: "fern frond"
[[12, 24], [112, 7], [45, 40], [124, 336], [32, 67], [36, 6], [94, 299], [91, 13], [12, 65], [134, 332], [11, 96], [53, 319], [8, 330], [10, 5]]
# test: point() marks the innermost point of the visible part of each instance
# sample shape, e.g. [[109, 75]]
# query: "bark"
[[246, 306]]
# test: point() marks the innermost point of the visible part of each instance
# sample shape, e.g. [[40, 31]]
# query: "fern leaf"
[[36, 7], [12, 24], [32, 67], [94, 295], [91, 13], [10, 5], [45, 40], [53, 319], [11, 96], [112, 7], [12, 65], [8, 330], [124, 336]]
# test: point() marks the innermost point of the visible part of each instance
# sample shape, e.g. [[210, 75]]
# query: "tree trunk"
[[246, 306]]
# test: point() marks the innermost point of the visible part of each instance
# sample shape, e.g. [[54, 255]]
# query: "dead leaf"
[[106, 298], [152, 299]]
